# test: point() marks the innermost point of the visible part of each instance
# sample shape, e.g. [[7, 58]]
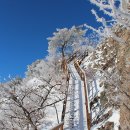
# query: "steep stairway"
[[75, 117]]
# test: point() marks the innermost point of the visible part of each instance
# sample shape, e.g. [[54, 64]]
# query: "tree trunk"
[[34, 127]]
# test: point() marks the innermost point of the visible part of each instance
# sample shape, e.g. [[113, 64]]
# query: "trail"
[[75, 111], [75, 116]]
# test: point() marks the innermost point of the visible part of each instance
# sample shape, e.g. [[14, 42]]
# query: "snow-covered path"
[[75, 117]]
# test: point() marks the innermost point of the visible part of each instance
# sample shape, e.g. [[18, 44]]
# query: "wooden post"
[[59, 126], [62, 127], [87, 107]]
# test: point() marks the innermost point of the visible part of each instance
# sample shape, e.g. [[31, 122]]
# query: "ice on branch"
[[118, 11]]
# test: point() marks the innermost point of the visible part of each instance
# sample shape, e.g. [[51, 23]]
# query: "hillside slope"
[[111, 63]]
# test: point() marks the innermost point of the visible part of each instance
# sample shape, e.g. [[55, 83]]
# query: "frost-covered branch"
[[117, 11]]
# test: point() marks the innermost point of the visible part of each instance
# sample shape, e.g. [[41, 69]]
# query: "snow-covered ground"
[[94, 90], [75, 118]]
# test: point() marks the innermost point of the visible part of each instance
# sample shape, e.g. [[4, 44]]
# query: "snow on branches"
[[65, 41], [118, 12], [23, 104]]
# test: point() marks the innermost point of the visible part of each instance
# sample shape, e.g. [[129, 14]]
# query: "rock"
[[124, 68], [103, 98], [109, 126], [110, 113]]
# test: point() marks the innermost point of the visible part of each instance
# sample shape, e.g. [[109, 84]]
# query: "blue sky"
[[25, 25]]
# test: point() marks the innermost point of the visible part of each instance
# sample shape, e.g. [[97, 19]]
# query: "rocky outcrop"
[[113, 59], [123, 66], [107, 126]]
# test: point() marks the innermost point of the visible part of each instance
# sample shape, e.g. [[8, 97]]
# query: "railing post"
[[87, 107], [61, 127]]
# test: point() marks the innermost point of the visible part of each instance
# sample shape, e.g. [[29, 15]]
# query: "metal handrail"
[[100, 112]]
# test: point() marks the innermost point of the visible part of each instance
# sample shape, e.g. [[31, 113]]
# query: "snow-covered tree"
[[46, 71], [118, 12], [23, 104], [66, 41]]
